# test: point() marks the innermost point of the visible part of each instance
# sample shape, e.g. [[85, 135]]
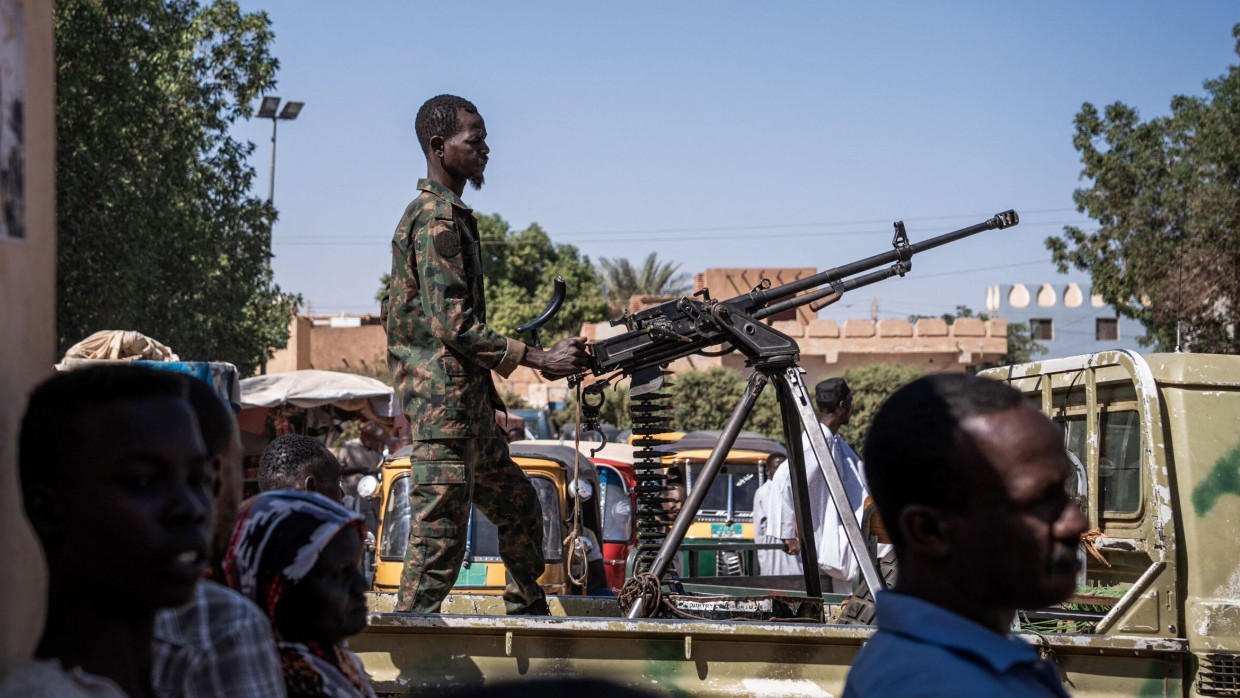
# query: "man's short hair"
[[216, 421], [437, 117], [772, 464], [831, 393], [286, 459], [911, 452], [56, 420]]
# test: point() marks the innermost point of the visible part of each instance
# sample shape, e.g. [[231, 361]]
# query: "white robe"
[[768, 515], [835, 555]]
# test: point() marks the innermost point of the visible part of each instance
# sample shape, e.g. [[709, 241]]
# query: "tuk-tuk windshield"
[[616, 505], [484, 535], [395, 536], [731, 494]]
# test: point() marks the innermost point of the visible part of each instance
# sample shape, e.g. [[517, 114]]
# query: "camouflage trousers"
[[449, 475]]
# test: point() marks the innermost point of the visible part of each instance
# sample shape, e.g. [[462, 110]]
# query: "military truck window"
[[1119, 461], [616, 505], [396, 521], [731, 494], [1074, 436]]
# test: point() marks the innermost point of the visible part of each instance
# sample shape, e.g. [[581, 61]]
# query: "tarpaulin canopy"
[[312, 388]]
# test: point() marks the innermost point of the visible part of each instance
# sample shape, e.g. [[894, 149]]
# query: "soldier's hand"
[[568, 356]]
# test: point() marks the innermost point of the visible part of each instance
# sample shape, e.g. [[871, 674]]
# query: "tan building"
[[333, 342], [27, 296], [828, 347]]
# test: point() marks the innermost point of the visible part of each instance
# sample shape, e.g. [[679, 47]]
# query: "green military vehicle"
[[1157, 442]]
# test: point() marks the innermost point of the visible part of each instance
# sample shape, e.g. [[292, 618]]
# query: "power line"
[[328, 240]]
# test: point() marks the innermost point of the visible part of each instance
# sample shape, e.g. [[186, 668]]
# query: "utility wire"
[[657, 233]]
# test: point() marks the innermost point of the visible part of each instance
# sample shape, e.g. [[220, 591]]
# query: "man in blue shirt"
[[970, 480]]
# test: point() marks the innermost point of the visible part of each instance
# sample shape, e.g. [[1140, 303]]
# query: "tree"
[[622, 280], [870, 386], [706, 399], [156, 229], [1166, 196], [520, 268]]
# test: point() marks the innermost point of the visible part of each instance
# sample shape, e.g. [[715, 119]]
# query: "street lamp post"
[[267, 110]]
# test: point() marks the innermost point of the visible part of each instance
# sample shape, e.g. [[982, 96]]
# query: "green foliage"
[[622, 280], [1164, 193], [706, 399], [520, 269], [156, 229], [871, 385], [385, 282]]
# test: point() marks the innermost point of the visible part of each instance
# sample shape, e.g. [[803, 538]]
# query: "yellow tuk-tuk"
[[726, 513], [549, 468]]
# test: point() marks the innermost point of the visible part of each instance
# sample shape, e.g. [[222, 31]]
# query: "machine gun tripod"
[[659, 335]]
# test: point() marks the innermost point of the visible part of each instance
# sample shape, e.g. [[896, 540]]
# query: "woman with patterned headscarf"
[[296, 554]]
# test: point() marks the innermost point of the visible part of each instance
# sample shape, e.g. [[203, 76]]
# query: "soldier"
[[441, 353]]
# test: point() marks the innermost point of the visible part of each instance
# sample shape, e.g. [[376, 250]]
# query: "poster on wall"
[[12, 122]]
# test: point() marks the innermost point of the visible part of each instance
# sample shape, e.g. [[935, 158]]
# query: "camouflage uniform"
[[441, 354]]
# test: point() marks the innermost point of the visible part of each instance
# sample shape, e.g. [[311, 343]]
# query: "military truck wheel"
[[859, 608]]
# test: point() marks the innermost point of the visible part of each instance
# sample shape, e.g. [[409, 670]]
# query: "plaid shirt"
[[219, 644]]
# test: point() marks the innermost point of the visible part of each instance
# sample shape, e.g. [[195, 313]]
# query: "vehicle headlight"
[[367, 486]]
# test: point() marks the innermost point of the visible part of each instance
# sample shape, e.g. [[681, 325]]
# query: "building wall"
[[333, 343], [1073, 314], [27, 310]]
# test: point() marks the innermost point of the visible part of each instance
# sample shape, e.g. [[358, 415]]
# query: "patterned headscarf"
[[279, 537]]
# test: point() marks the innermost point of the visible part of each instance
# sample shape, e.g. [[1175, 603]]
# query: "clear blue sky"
[[720, 134]]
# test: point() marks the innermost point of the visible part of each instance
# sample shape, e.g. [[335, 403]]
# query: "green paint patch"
[[1155, 685], [474, 575], [1223, 479], [718, 530]]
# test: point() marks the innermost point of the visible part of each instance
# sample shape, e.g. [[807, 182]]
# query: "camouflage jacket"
[[440, 350]]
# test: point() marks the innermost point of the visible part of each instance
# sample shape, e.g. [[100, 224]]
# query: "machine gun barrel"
[[761, 305], [686, 326]]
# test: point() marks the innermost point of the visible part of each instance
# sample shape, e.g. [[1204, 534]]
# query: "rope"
[[576, 546], [644, 586], [1088, 539]]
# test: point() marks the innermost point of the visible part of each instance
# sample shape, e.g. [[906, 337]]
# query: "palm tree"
[[622, 280]]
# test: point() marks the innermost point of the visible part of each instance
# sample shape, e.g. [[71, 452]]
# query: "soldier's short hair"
[[912, 453], [58, 417], [437, 117], [289, 459]]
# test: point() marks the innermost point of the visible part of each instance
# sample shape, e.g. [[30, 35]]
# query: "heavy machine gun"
[[659, 335], [686, 326]]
